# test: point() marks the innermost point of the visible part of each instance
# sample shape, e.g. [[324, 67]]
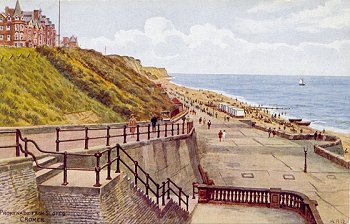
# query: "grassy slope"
[[50, 83], [109, 81], [33, 92]]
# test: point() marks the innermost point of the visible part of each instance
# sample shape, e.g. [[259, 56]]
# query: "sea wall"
[[19, 200], [119, 201], [174, 157]]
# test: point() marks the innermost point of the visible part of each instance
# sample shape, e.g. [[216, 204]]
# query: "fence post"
[[148, 131], [25, 147], [65, 169], [172, 129], [168, 182], [163, 193], [124, 133], [137, 133], [118, 159], [58, 139], [180, 192], [166, 130], [86, 138], [135, 174], [183, 127], [147, 183], [178, 128], [158, 134], [108, 135], [97, 169], [187, 202], [109, 164], [157, 185], [17, 143], [193, 189]]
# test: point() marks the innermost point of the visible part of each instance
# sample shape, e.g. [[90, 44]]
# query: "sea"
[[323, 100]]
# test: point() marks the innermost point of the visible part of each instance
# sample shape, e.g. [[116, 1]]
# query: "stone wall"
[[128, 204], [18, 192], [119, 201]]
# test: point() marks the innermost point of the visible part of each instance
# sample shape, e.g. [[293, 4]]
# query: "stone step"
[[45, 174], [46, 161]]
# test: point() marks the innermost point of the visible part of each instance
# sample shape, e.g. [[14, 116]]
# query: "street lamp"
[[305, 153]]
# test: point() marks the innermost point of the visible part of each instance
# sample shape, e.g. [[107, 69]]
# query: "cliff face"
[[152, 73], [51, 85]]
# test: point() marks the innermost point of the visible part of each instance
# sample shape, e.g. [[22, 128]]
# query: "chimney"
[[36, 14]]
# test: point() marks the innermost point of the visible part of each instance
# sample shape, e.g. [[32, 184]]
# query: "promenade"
[[249, 158]]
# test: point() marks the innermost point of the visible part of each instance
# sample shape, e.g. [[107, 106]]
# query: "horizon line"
[[185, 73]]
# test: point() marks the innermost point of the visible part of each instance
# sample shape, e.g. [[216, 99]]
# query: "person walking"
[[228, 118], [269, 131], [220, 135], [273, 132], [132, 124], [200, 120], [315, 135], [223, 135], [204, 120], [154, 122], [209, 123]]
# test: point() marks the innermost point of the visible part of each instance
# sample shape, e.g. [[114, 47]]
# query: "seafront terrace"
[[249, 158]]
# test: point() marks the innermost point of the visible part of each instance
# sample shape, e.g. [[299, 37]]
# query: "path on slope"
[[249, 158]]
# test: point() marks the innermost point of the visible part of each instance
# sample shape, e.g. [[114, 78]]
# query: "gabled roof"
[[17, 11], [175, 101]]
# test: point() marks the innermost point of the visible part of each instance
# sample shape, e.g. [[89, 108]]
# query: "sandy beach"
[[262, 118]]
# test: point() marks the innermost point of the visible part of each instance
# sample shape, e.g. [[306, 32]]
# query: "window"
[[15, 44], [1, 28], [22, 27], [16, 36], [1, 37], [16, 27], [1, 19], [8, 38], [29, 31], [16, 18], [8, 27], [22, 38]]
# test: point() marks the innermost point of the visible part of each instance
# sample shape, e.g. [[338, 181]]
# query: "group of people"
[[203, 121], [272, 131], [222, 135], [132, 124]]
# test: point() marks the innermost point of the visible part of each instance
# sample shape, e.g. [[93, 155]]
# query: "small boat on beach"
[[292, 120], [301, 82], [303, 123]]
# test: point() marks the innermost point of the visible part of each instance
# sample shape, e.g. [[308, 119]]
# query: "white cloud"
[[209, 49]]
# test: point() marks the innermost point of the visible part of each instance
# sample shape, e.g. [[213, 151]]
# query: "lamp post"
[[305, 153]]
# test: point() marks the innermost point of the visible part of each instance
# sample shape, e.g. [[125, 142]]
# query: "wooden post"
[[109, 166], [58, 139], [172, 129], [17, 143], [97, 169], [118, 159], [137, 132], [148, 131], [124, 133], [166, 130], [163, 193], [86, 138], [108, 135], [158, 134], [65, 169], [135, 174]]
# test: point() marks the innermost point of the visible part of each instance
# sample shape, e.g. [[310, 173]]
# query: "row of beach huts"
[[233, 111]]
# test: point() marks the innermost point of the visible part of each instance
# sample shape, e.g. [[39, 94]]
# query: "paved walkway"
[[209, 213], [249, 158]]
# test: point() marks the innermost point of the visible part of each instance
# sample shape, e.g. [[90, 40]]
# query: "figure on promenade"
[[228, 118], [216, 114], [315, 135], [274, 132], [209, 123], [204, 120], [269, 131], [224, 118], [132, 124], [200, 120], [154, 122], [220, 135], [223, 135]]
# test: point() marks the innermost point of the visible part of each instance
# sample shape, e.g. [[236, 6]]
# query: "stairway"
[[44, 174]]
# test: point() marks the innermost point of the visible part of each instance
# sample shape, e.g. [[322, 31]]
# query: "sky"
[[278, 37]]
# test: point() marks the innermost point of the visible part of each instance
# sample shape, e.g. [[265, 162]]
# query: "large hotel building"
[[26, 28]]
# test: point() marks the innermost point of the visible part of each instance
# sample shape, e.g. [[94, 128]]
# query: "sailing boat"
[[301, 82]]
